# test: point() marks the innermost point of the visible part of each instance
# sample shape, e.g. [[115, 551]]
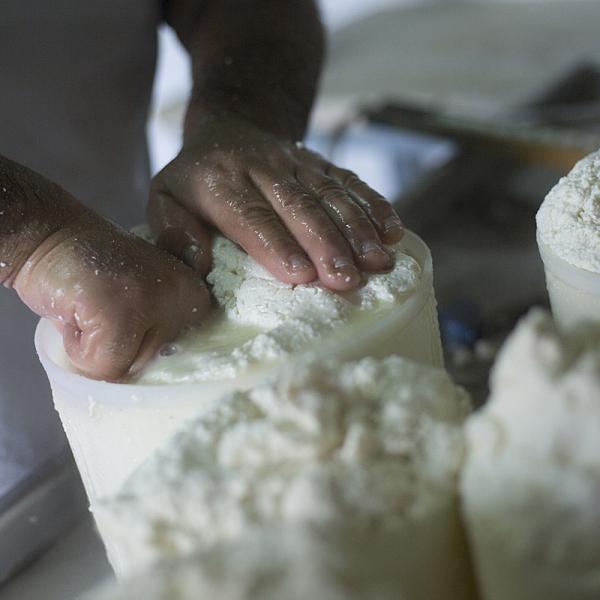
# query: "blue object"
[[460, 323]]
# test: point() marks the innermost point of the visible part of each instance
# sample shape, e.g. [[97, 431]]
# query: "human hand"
[[115, 298], [290, 209]]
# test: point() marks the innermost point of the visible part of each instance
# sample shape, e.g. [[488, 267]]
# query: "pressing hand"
[[300, 216]]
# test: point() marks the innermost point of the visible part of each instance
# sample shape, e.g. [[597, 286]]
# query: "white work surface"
[[70, 567]]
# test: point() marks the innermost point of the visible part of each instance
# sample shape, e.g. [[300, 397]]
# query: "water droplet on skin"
[[168, 350], [96, 272], [2, 264], [211, 182], [194, 310], [158, 280]]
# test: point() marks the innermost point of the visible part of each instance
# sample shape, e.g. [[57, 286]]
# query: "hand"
[[115, 298], [290, 209]]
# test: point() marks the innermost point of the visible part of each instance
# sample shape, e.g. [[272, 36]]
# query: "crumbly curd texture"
[[261, 319], [568, 222], [266, 564], [531, 482], [375, 444]]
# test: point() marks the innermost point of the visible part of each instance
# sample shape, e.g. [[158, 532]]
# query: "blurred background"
[[463, 114]]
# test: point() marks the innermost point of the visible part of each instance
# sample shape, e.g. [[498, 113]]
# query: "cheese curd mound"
[[568, 222], [273, 564], [375, 444], [259, 319], [531, 483]]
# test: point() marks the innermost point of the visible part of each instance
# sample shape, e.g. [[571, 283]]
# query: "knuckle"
[[330, 192], [255, 214], [349, 178], [375, 199], [327, 231], [370, 196], [345, 177], [294, 199], [358, 223]]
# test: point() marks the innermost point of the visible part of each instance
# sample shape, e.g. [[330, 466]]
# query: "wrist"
[[280, 117], [32, 210]]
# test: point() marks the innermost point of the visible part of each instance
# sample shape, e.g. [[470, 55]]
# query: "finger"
[[245, 217], [313, 229], [386, 220], [350, 219], [152, 341], [105, 351], [179, 232], [191, 308], [193, 303]]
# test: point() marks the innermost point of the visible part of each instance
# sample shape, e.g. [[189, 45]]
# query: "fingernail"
[[298, 262], [374, 250], [372, 247], [342, 262], [192, 255], [345, 269], [392, 223]]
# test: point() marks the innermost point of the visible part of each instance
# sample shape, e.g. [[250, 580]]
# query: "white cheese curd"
[[531, 483], [568, 233], [568, 222], [259, 319], [274, 564], [375, 445]]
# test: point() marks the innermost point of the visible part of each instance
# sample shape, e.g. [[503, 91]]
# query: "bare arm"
[[31, 210], [104, 289], [259, 59]]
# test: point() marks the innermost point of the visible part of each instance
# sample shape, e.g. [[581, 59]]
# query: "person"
[[77, 79]]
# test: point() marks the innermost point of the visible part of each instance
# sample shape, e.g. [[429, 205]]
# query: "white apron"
[[75, 84]]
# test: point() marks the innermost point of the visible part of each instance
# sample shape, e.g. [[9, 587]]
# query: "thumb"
[[179, 232], [102, 352]]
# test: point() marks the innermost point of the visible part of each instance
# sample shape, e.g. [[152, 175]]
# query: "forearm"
[[256, 59], [31, 210]]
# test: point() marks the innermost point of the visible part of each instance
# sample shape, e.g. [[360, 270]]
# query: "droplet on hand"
[[168, 350]]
